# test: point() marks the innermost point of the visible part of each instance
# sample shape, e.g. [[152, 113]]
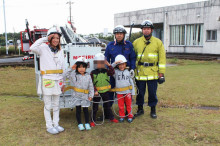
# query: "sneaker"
[[59, 128], [130, 120], [92, 124], [121, 120], [81, 127], [114, 120], [52, 131], [87, 126]]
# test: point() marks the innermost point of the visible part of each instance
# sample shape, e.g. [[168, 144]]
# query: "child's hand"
[[117, 62], [90, 98], [107, 63], [62, 88], [74, 67], [96, 93]]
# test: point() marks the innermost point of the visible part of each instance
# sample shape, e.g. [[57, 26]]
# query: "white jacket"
[[48, 59]]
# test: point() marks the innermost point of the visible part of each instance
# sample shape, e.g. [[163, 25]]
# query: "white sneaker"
[[52, 131], [59, 128]]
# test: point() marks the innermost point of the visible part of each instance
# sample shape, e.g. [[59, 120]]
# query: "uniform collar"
[[53, 50], [117, 43], [144, 39]]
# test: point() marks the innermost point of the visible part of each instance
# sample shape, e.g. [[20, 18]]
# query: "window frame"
[[185, 39], [211, 32]]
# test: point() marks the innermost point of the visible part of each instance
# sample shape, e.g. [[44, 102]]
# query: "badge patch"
[[48, 83]]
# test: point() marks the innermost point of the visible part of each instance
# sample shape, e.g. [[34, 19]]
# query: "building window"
[[211, 35], [194, 35], [177, 36]]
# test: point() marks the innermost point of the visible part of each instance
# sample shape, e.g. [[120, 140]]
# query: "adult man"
[[123, 47], [151, 63]]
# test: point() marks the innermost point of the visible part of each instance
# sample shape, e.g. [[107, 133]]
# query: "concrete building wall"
[[205, 13]]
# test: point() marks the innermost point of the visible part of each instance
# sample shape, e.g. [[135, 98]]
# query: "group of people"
[[144, 60]]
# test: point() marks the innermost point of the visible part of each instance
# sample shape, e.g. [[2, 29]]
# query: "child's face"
[[99, 64], [122, 66], [81, 69]]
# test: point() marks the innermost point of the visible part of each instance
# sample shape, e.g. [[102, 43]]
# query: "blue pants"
[[152, 92]]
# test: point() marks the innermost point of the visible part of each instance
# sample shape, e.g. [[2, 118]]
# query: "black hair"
[[78, 64]]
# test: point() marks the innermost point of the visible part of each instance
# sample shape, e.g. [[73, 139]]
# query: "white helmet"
[[82, 59], [119, 29], [120, 57], [54, 30], [99, 57]]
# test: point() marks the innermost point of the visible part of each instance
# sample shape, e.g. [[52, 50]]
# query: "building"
[[185, 28]]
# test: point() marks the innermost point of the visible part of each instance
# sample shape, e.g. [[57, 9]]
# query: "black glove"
[[161, 80]]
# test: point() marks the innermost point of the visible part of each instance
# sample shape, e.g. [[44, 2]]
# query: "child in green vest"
[[100, 77]]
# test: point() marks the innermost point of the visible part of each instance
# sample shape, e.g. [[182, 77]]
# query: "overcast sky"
[[90, 16]]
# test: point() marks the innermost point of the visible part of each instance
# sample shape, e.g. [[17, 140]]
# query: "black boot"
[[140, 111], [153, 112]]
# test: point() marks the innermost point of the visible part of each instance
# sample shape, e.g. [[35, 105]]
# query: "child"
[[83, 90], [100, 77], [124, 87]]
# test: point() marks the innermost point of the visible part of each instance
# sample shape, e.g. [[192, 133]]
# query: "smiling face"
[[81, 69], [122, 66], [55, 41], [147, 31], [119, 36]]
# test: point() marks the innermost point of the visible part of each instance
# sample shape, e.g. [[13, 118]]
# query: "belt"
[[146, 64], [60, 71], [103, 88], [121, 89], [77, 89]]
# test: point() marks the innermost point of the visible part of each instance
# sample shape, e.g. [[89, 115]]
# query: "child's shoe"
[[87, 126], [81, 127], [92, 124], [130, 120], [59, 128], [114, 120], [121, 120]]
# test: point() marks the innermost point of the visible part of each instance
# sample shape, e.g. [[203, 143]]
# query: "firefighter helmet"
[[119, 29], [120, 58], [147, 23], [53, 30]]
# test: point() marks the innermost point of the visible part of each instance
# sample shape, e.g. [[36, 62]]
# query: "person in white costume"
[[51, 83]]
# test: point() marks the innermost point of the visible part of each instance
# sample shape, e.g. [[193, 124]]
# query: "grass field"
[[189, 85]]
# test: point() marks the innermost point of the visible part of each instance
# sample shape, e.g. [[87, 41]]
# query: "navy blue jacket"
[[124, 48]]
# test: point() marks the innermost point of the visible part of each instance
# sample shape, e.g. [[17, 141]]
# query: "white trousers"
[[51, 102]]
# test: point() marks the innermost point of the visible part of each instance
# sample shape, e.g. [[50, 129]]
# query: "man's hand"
[[50, 37], [62, 88], [132, 73], [160, 75], [74, 67], [90, 98], [96, 93]]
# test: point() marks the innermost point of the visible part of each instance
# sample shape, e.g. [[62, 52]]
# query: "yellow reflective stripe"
[[76, 89], [162, 65], [103, 88], [152, 55], [139, 55], [60, 71], [121, 89], [146, 77]]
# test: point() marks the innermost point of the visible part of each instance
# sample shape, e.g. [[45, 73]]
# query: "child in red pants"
[[124, 87]]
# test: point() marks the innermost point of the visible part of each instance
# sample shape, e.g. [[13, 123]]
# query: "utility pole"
[[6, 38], [70, 3]]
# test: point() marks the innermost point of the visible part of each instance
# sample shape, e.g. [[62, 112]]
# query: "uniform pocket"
[[47, 83], [154, 68]]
